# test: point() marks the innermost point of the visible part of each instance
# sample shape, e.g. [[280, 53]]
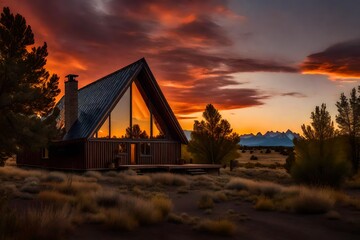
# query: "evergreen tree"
[[320, 157], [212, 139], [135, 132], [348, 120], [321, 127], [27, 91]]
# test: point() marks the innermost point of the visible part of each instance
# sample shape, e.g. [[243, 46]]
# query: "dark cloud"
[[178, 38], [211, 90], [293, 94], [203, 31], [339, 61]]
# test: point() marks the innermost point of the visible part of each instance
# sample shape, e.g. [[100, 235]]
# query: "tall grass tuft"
[[312, 201], [264, 187], [169, 179], [222, 227]]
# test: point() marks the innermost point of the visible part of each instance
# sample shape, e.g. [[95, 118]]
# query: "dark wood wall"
[[62, 155], [100, 153]]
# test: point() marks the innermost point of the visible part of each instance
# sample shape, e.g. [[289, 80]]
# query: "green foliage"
[[213, 140], [348, 120], [320, 166], [320, 158], [27, 91]]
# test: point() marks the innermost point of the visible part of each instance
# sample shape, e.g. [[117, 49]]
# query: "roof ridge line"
[[113, 73]]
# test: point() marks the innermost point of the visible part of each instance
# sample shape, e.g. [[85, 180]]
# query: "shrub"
[[54, 197], [93, 174], [289, 162], [253, 157], [264, 187], [30, 187], [320, 164], [169, 179], [264, 204], [219, 227], [106, 198], [56, 177], [312, 201], [164, 205], [117, 219], [205, 201], [268, 151], [142, 180], [74, 188]]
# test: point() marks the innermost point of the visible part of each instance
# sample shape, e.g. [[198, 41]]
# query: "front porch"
[[192, 169]]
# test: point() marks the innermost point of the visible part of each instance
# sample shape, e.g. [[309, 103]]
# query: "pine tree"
[[320, 157], [212, 139], [27, 91], [348, 120], [322, 127]]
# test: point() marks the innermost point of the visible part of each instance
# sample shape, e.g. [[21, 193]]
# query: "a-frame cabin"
[[120, 119]]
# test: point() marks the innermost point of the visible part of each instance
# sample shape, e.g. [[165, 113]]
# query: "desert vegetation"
[[124, 201]]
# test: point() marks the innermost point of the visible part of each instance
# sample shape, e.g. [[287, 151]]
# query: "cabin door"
[[133, 155]]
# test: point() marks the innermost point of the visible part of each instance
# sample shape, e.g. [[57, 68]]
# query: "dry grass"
[[74, 188], [47, 223], [142, 180], [106, 199], [169, 179], [93, 174], [264, 204], [222, 227], [124, 212], [206, 201], [56, 177], [163, 204], [30, 187], [117, 219], [16, 173], [265, 187], [311, 201], [55, 197]]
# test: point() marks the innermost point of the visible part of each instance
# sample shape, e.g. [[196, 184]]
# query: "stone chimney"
[[71, 101]]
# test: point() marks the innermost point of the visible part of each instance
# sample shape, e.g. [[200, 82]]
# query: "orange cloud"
[[340, 61]]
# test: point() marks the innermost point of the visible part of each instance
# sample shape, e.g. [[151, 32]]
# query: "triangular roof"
[[97, 99]]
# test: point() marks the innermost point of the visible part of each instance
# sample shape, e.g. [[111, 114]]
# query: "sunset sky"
[[265, 64]]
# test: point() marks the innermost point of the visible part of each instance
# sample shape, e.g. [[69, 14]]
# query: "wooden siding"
[[62, 155], [101, 153]]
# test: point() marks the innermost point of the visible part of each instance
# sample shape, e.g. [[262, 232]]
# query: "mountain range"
[[269, 139]]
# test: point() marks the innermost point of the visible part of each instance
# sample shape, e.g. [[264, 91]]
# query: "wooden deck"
[[175, 168]]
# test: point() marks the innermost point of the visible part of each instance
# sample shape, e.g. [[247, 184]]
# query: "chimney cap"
[[71, 77]]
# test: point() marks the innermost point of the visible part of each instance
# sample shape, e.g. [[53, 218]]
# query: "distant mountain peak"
[[270, 138]]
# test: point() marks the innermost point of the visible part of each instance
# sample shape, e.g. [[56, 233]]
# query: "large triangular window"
[[131, 118]]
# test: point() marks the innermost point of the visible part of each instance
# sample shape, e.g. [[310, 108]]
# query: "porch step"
[[196, 171]]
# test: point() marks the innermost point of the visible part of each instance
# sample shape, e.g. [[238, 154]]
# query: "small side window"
[[45, 153], [122, 148], [145, 148]]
